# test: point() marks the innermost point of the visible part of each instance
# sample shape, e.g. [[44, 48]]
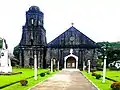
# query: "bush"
[[115, 86], [93, 70], [48, 72], [98, 76], [99, 69], [42, 74], [23, 82], [114, 68], [93, 73]]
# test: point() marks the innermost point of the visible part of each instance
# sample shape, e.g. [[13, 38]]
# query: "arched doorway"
[[71, 62]]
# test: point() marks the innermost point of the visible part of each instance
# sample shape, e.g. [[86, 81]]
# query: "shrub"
[[48, 72], [98, 76], [99, 69], [93, 70], [115, 86], [42, 74], [57, 69], [23, 82], [93, 73], [114, 68]]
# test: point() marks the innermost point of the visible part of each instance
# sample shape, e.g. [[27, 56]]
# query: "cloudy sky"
[[98, 19]]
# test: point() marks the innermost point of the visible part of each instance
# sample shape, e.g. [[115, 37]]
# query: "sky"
[[98, 19]]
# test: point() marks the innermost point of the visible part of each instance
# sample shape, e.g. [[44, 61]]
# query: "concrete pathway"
[[69, 79]]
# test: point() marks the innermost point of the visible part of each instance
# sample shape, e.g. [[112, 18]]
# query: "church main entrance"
[[71, 62]]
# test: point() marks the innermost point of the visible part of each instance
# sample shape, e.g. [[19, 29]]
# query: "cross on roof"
[[71, 51], [72, 24]]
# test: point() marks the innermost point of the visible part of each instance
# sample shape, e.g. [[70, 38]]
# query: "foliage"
[[93, 73], [115, 86], [99, 63], [16, 52], [114, 68], [112, 51], [48, 72], [42, 74], [0, 43], [23, 82], [98, 76], [99, 69], [93, 69]]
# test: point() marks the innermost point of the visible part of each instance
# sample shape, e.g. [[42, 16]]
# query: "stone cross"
[[72, 24], [71, 51]]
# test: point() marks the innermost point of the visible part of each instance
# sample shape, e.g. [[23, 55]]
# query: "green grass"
[[98, 82], [5, 79], [111, 74], [25, 74], [31, 82]]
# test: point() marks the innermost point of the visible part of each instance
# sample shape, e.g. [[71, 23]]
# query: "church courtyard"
[[66, 79], [69, 79], [71, 61]]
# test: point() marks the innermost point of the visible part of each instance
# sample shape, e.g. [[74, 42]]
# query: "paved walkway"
[[66, 80]]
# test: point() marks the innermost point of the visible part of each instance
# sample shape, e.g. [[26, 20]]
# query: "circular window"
[[72, 38]]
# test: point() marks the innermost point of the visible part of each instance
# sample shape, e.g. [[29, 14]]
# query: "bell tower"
[[34, 16], [33, 39]]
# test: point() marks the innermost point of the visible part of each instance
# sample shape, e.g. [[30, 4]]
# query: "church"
[[72, 48]]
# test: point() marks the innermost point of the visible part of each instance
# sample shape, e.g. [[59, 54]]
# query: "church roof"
[[72, 33]]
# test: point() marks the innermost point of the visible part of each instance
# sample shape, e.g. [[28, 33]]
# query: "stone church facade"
[[33, 42]]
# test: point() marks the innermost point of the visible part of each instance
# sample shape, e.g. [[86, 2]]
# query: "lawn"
[[111, 74], [103, 86], [25, 74]]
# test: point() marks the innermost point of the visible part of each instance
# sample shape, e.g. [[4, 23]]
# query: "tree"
[[112, 51], [16, 52]]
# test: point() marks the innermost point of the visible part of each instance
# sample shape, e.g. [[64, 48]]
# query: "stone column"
[[65, 63], [76, 64], [58, 64], [89, 66], [35, 67], [51, 65], [83, 65], [104, 69]]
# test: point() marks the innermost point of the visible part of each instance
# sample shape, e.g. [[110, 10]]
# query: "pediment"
[[72, 37]]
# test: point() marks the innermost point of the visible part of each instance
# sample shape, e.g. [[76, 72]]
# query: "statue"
[[5, 63]]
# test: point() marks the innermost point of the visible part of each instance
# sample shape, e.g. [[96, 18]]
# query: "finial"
[[72, 24]]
